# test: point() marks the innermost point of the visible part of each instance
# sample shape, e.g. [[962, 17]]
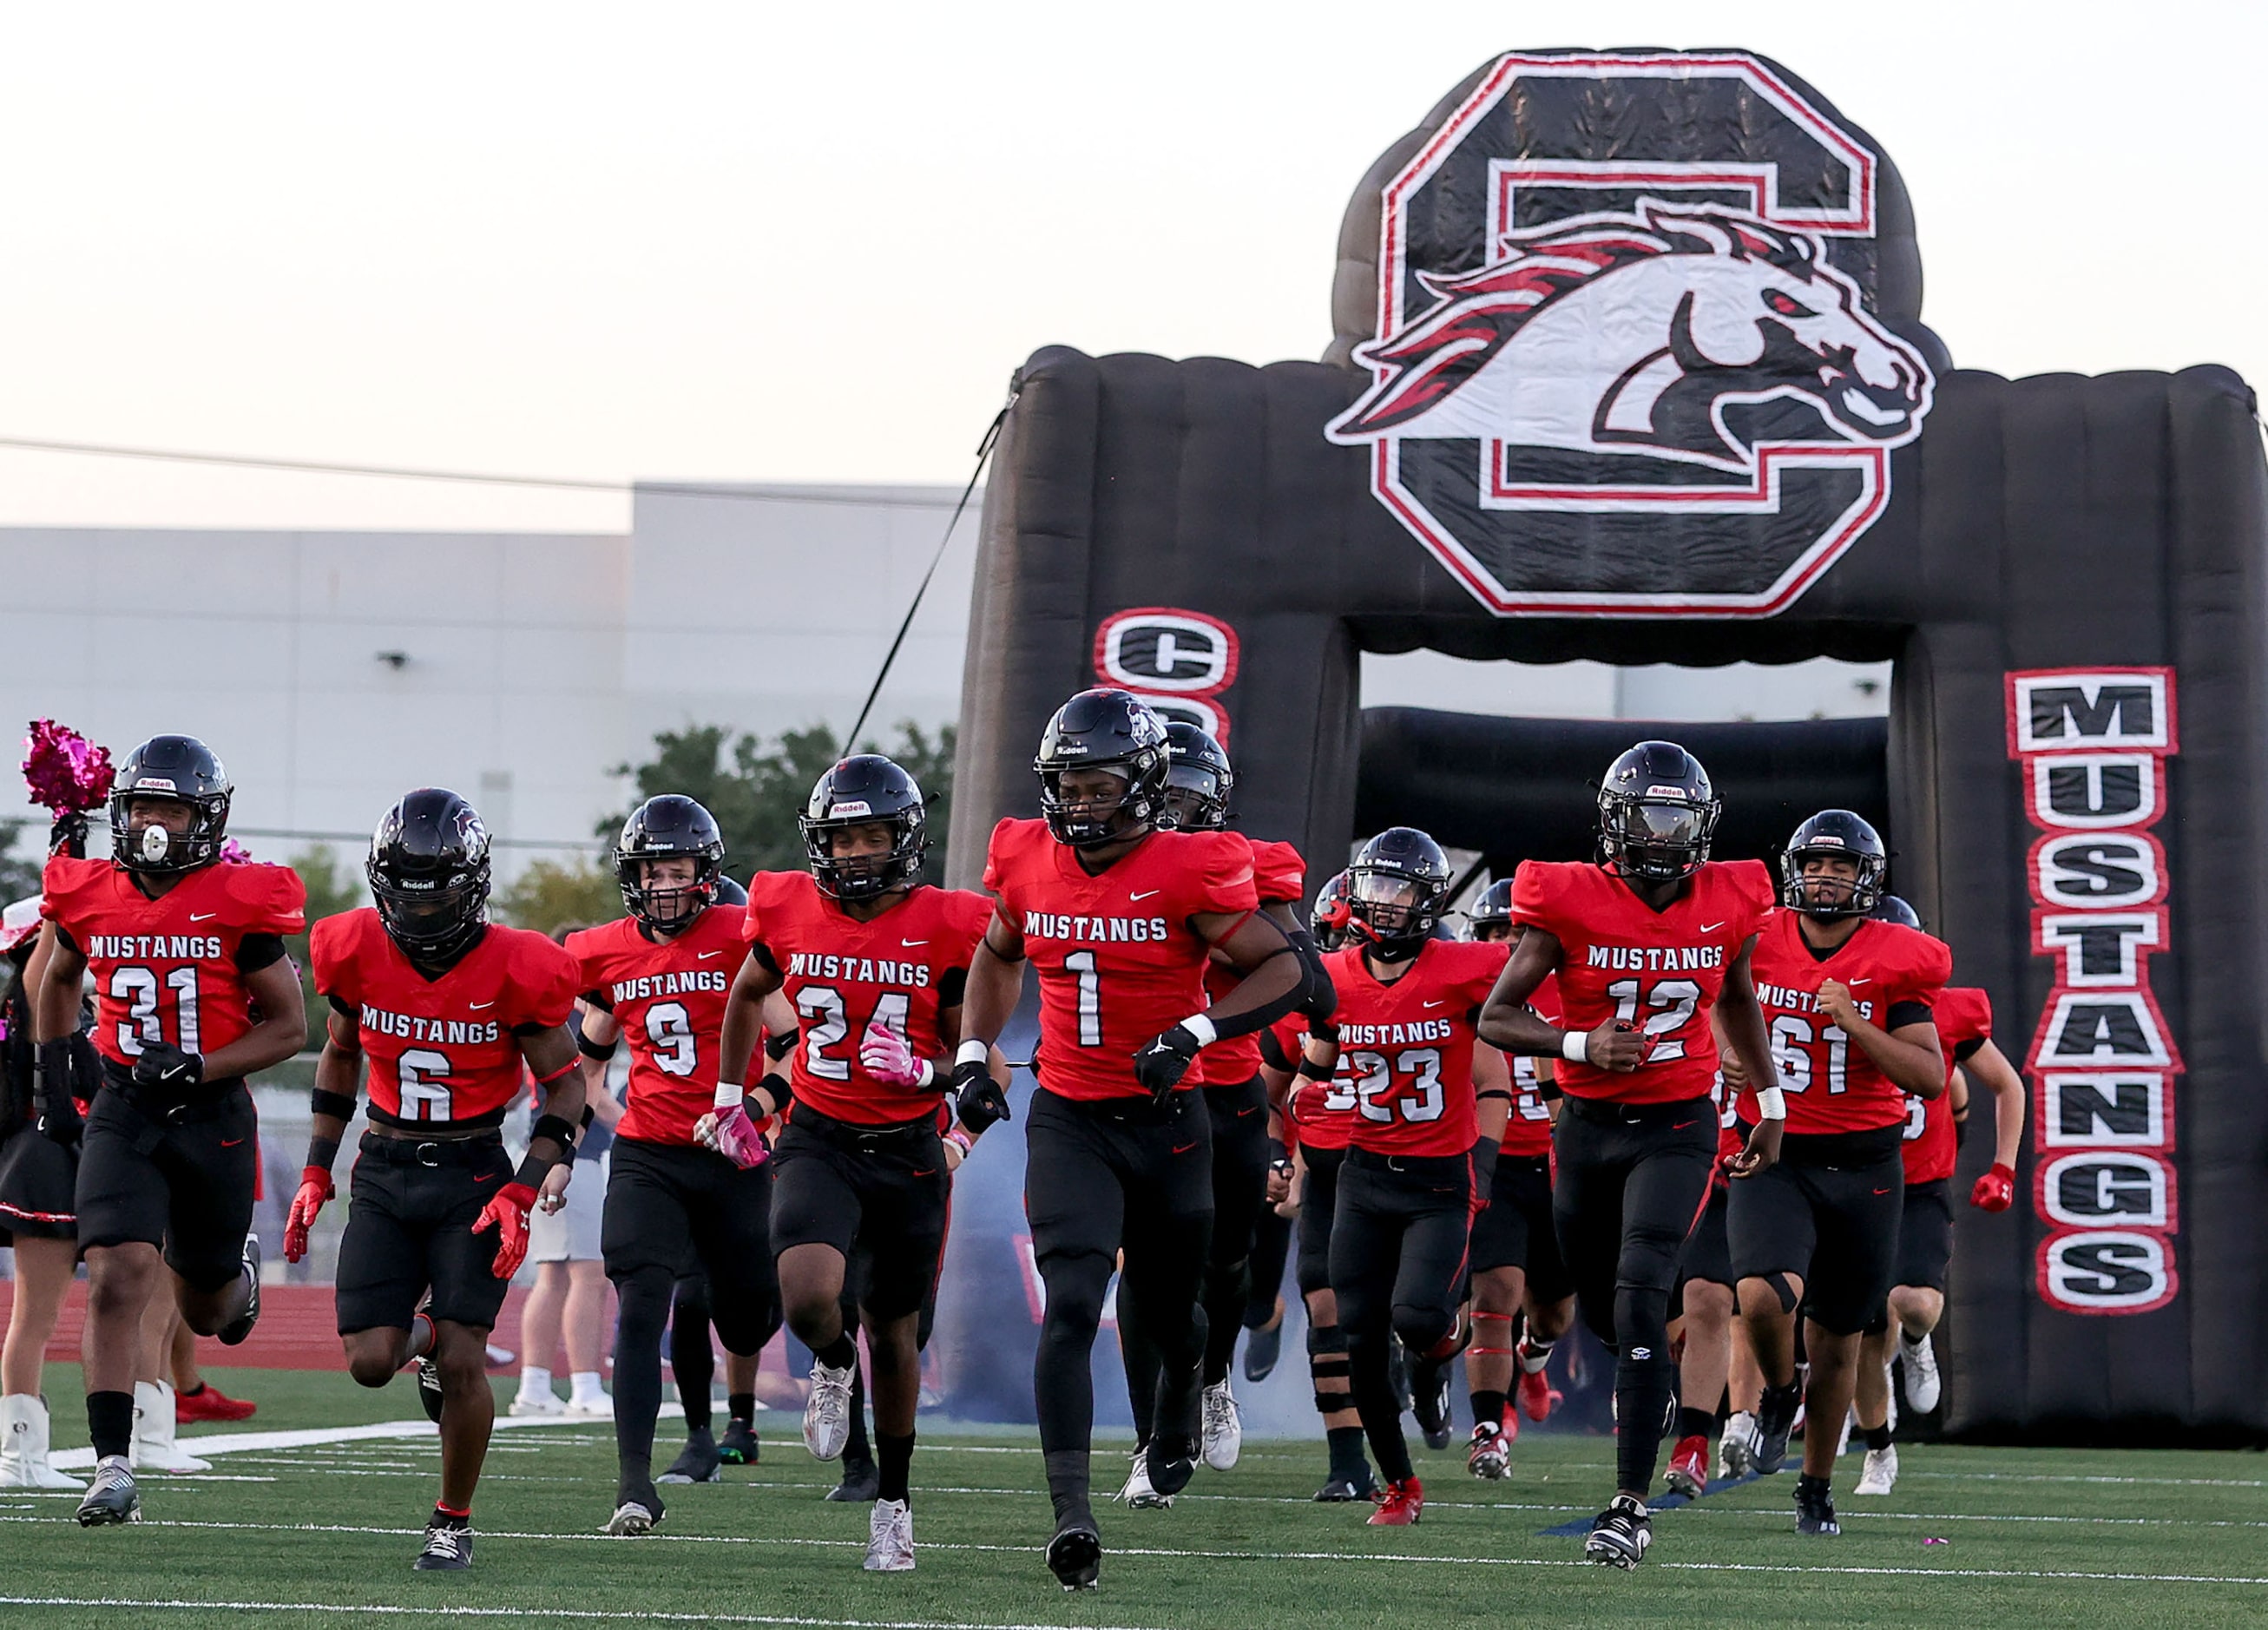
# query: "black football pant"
[[1100, 1178], [1238, 1115], [1398, 1249], [1632, 1178]]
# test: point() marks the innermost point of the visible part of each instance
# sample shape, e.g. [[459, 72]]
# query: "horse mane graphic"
[[1613, 333]]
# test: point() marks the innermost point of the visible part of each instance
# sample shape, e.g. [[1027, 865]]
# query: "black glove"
[[981, 1101], [163, 1065], [51, 1092], [1161, 1065]]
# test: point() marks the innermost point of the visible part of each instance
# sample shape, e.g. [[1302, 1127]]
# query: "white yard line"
[[348, 1610]]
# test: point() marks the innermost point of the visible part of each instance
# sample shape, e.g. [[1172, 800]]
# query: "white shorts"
[[571, 1232]]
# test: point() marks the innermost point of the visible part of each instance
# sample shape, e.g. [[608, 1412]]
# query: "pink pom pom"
[[234, 853], [65, 772]]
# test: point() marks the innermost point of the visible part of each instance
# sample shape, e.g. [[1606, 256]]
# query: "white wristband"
[[728, 1094], [928, 1076], [973, 1052], [1575, 1046], [1771, 1103], [1197, 1025]]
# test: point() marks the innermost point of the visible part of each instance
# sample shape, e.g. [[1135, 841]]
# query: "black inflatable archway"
[[1653, 386]]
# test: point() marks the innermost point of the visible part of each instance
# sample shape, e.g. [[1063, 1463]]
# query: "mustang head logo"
[[1635, 334]]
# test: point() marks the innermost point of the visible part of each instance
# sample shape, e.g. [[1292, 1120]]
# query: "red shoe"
[[1689, 1467], [1536, 1394], [1510, 1423], [1401, 1505], [209, 1403]]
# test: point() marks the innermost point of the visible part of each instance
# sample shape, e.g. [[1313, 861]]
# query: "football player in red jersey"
[[448, 1008], [193, 993], [875, 963], [1429, 1113], [1121, 919], [1200, 782], [658, 978], [1850, 1001], [1647, 942], [1518, 1270]]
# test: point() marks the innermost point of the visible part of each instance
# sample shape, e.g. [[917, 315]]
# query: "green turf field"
[[321, 1534]]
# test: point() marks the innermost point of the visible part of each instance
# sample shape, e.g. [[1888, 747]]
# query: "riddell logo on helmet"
[[851, 807], [154, 784]]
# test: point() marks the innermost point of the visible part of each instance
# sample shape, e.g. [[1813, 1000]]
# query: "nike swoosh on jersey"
[[1712, 928], [476, 1006], [1881, 1191], [1440, 1004], [702, 956], [1144, 893], [913, 942], [229, 1143], [1183, 1148], [199, 917], [486, 1177]]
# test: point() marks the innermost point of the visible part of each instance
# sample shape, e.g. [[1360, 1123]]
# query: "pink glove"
[[889, 1060], [1996, 1189], [737, 1139]]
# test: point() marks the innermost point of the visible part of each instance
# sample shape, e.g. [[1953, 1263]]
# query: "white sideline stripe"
[[645, 1616], [1221, 1556], [310, 1437]]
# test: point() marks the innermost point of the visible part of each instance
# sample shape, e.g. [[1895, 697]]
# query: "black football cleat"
[[861, 1484], [1075, 1556], [1172, 1462], [1620, 1535], [1262, 1347], [1815, 1508], [233, 1333], [739, 1446], [428, 1387], [447, 1550], [698, 1462], [1340, 1491], [1775, 1419], [114, 1497], [1430, 1402]]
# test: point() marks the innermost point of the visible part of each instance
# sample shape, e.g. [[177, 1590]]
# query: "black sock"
[[1068, 1485], [896, 1458], [1693, 1422], [110, 1422], [839, 1353], [1347, 1463], [443, 1517], [743, 1406], [1878, 1438], [643, 1305], [855, 1447], [191, 1392], [1489, 1406]]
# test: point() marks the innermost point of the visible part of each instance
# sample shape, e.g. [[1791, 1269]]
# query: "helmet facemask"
[[1196, 801], [1851, 890], [1391, 913], [1105, 803], [153, 847], [1655, 837], [667, 905], [873, 871]]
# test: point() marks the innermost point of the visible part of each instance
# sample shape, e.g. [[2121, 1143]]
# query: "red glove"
[[1996, 1189], [315, 1187], [507, 1214]]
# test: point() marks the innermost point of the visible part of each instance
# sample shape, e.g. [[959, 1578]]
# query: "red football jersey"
[[1117, 959], [1831, 1085], [1662, 971], [846, 976], [1406, 1049], [443, 1051], [1528, 1129], [165, 970], [1279, 875], [668, 998], [1964, 1015]]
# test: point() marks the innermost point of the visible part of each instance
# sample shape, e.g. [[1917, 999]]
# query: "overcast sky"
[[805, 243]]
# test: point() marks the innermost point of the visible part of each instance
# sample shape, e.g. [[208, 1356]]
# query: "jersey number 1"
[[137, 988], [1673, 1002]]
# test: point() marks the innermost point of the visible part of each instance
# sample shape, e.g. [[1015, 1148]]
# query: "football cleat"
[[547, 1402], [1075, 1556], [1924, 1383], [1879, 1475], [1536, 1394], [633, 1517], [1138, 1493], [1223, 1429], [1342, 1491], [446, 1550], [862, 1481], [1689, 1467], [1620, 1535], [890, 1537], [1262, 1347], [1400, 1504], [1736, 1450], [1430, 1403], [739, 1447], [115, 1498], [698, 1462], [209, 1403], [1815, 1507], [1171, 1462], [827, 1412], [1775, 1419], [428, 1387], [1489, 1453], [233, 1333]]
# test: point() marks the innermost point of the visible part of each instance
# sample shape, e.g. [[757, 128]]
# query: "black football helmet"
[[1102, 729], [865, 787], [1890, 909], [1657, 813], [1396, 892], [183, 770], [1198, 780], [1834, 832], [730, 893], [1327, 921], [429, 874], [1492, 910], [665, 827]]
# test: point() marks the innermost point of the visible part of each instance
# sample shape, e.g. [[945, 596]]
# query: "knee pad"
[[1075, 1287], [1642, 1322], [1781, 1288], [1426, 1332], [643, 1305], [1326, 1341], [689, 1297]]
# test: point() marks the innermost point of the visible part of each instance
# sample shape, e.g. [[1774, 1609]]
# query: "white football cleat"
[[1924, 1383], [24, 1445], [1222, 1427], [1736, 1450], [827, 1412], [1879, 1473], [890, 1537], [1138, 1494]]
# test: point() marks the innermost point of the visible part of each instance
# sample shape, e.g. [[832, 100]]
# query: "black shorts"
[[1515, 1231], [1239, 1112], [1632, 1180], [1926, 1235], [1319, 1204], [679, 1207], [185, 1183], [1708, 1253], [1400, 1241], [409, 1228], [38, 1185], [1118, 1173], [1836, 1227], [883, 1191]]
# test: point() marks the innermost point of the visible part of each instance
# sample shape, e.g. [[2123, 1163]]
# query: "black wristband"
[[1278, 1153], [590, 1114], [1492, 1092], [532, 1170], [339, 1104], [1309, 1070], [559, 1128], [322, 1151], [590, 1049], [778, 1047]]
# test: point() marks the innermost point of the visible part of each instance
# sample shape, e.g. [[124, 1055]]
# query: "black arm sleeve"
[[763, 953], [1271, 1051], [1261, 1017], [952, 988], [600, 999], [1963, 1051], [1903, 1013], [347, 1009], [1320, 998], [256, 951]]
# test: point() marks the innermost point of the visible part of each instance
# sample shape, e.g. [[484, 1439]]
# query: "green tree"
[[755, 789], [19, 874], [333, 887], [552, 895]]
